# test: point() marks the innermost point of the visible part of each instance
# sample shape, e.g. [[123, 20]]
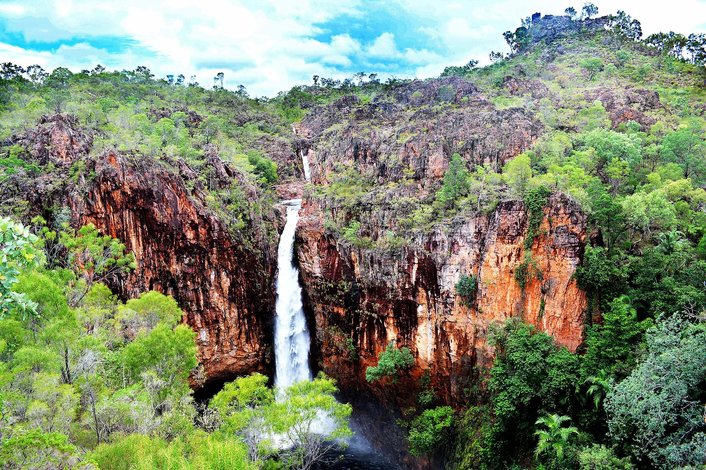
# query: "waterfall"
[[291, 332], [305, 164]]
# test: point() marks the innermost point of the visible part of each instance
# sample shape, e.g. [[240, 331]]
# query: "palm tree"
[[599, 387], [555, 437]]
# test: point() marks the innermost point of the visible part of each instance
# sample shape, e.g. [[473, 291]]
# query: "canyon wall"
[[363, 297], [222, 281]]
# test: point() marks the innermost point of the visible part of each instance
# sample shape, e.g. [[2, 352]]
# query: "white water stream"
[[305, 163], [291, 332]]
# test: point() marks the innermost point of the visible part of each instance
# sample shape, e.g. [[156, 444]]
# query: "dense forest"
[[92, 376]]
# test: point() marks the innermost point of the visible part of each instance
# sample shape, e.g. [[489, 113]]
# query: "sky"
[[271, 45]]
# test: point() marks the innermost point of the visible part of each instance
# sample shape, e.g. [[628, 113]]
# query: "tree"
[[306, 406], [241, 406], [611, 346], [626, 26], [600, 457], [466, 288], [429, 429], [656, 414], [390, 362], [554, 438], [95, 257], [218, 81], [518, 173], [686, 147], [530, 374], [456, 183], [18, 251], [592, 65], [589, 10], [570, 12]]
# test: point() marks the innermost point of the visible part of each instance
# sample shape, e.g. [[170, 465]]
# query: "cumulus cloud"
[[271, 45]]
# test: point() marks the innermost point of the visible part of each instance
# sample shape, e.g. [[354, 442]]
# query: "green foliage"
[[466, 288], [265, 168], [530, 375], [95, 257], [247, 408], [535, 200], [592, 66], [456, 183], [391, 362], [36, 449], [197, 451], [600, 457], [656, 414], [611, 346], [518, 173], [553, 438], [18, 250], [430, 429]]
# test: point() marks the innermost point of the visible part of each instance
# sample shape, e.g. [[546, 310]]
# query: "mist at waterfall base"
[[292, 342]]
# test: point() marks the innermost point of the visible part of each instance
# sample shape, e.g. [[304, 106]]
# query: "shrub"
[[390, 362], [466, 288], [428, 429]]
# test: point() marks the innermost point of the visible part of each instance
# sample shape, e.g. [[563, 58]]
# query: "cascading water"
[[305, 163], [291, 332]]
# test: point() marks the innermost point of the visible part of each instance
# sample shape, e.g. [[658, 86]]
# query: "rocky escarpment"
[[182, 249], [362, 297], [184, 244]]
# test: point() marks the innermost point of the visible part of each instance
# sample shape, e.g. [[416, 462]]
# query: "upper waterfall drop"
[[305, 164], [291, 333]]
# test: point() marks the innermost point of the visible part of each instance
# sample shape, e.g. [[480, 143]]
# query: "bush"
[[390, 362], [466, 288], [428, 429]]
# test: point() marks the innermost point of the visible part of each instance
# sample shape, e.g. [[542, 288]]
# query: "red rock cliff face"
[[362, 299], [182, 249]]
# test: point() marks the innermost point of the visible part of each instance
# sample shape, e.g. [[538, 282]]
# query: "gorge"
[[474, 259]]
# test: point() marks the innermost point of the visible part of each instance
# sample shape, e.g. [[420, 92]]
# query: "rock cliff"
[[363, 297], [223, 283]]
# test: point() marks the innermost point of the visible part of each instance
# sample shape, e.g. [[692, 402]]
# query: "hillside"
[[486, 256]]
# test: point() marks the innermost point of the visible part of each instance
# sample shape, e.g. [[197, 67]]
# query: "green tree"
[[242, 407], [686, 147], [600, 457], [517, 173], [611, 346], [553, 438], [390, 362], [656, 414], [456, 183], [589, 10], [530, 374], [430, 429], [95, 257], [18, 251], [592, 66], [466, 288], [299, 413]]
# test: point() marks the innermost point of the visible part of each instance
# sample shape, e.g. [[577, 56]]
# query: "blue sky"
[[271, 45]]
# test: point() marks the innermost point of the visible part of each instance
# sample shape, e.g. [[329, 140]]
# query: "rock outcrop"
[[363, 297], [224, 283]]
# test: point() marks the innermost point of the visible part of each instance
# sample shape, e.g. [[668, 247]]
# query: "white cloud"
[[271, 45]]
